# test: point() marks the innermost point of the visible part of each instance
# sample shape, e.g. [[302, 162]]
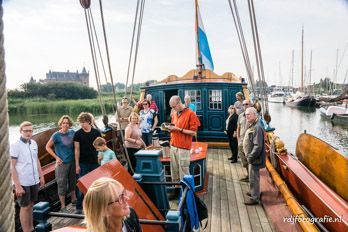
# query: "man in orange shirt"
[[185, 125]]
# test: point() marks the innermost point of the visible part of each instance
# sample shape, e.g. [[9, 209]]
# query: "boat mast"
[[292, 69], [310, 75], [302, 62], [199, 56], [336, 69]]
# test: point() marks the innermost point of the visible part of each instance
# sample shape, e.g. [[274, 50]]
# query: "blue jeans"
[[85, 168]]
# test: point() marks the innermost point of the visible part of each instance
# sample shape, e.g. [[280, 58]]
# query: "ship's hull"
[[276, 99], [314, 194], [306, 101]]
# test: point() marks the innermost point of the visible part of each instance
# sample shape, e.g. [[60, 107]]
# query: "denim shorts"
[[30, 196]]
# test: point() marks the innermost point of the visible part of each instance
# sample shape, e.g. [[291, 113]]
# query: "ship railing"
[[42, 212]]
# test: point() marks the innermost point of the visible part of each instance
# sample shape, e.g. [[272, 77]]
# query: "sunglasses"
[[121, 199]]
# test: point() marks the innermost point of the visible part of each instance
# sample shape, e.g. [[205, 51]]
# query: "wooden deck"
[[224, 199], [226, 195]]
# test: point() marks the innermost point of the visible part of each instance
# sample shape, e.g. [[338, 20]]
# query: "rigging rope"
[[242, 43], [131, 49], [258, 55], [7, 220], [90, 37], [107, 52], [142, 6]]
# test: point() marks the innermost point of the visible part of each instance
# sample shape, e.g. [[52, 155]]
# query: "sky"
[[45, 35]]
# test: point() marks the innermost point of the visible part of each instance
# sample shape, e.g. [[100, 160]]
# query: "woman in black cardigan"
[[231, 131]]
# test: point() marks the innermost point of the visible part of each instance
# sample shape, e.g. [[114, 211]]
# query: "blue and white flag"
[[204, 45]]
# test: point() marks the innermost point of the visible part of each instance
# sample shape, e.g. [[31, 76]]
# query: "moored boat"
[[313, 177], [277, 97]]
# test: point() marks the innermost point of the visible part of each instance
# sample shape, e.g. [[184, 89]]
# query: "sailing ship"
[[212, 94], [300, 99]]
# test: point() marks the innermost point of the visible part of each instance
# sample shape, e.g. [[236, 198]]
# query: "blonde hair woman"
[[106, 208], [133, 139]]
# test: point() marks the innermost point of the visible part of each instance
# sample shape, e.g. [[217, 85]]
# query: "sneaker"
[[78, 211], [64, 210], [251, 202], [245, 179], [73, 203]]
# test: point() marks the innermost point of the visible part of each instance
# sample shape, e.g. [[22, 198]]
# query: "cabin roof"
[[208, 76]]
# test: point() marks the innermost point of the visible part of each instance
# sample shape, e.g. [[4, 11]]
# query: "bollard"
[[149, 169], [40, 214], [173, 221]]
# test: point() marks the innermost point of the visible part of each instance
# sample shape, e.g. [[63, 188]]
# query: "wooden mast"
[[199, 57], [310, 75], [302, 62]]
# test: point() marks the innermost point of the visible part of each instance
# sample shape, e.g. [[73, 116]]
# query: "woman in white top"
[[133, 140]]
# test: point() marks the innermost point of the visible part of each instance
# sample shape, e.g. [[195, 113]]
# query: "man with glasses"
[[184, 126], [123, 113], [26, 173], [242, 126]]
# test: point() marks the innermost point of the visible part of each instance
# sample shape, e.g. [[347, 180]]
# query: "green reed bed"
[[43, 106]]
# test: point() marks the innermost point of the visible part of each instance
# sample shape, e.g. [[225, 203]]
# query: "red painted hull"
[[314, 194]]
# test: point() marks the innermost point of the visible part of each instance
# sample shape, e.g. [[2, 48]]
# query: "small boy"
[[105, 154]]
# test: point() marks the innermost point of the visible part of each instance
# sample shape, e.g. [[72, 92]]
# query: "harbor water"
[[289, 124]]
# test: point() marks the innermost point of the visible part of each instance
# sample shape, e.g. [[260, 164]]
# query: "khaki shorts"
[[179, 163], [30, 196]]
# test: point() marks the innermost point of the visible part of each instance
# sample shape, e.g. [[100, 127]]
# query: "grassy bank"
[[37, 106]]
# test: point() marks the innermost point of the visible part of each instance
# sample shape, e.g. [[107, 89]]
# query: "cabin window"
[[195, 97], [197, 170], [215, 99]]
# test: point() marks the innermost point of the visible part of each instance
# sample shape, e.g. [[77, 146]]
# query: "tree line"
[[54, 90]]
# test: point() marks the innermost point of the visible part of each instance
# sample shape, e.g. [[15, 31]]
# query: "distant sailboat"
[[300, 99]]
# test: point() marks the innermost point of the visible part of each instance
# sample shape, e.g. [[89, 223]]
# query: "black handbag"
[[202, 210]]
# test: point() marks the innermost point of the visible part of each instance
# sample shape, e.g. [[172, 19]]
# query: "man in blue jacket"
[[254, 148]]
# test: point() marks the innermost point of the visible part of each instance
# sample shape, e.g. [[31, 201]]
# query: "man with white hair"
[[189, 104], [254, 148], [242, 126]]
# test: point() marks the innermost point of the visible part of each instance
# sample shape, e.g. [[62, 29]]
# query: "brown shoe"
[[251, 202], [248, 193], [245, 179]]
